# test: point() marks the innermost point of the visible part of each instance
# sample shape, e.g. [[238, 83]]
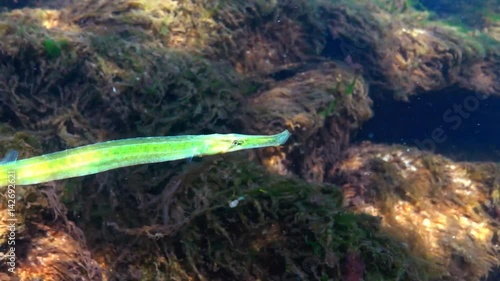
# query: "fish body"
[[104, 156]]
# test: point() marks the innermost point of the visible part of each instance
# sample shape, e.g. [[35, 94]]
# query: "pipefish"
[[104, 156]]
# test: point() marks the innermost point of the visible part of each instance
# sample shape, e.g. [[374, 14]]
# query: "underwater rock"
[[92, 87], [37, 241], [401, 49], [223, 30], [282, 228], [483, 76], [446, 212], [477, 14], [97, 70], [320, 104], [191, 230], [405, 52], [51, 253]]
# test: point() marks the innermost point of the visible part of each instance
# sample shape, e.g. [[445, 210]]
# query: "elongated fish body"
[[104, 156]]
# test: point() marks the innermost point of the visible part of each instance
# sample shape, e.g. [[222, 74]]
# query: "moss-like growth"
[[444, 211], [327, 101], [282, 228], [98, 70], [54, 48]]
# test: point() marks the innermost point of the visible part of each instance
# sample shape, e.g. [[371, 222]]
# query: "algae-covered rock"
[[62, 87], [91, 87], [230, 220], [477, 14], [224, 219], [56, 253], [175, 24], [95, 70], [403, 51], [320, 104], [288, 31], [446, 212]]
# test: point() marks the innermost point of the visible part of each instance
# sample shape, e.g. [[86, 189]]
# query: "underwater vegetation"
[[54, 48], [318, 208], [446, 212], [310, 118], [481, 13]]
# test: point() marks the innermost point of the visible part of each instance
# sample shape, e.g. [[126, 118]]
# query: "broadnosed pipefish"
[[104, 156]]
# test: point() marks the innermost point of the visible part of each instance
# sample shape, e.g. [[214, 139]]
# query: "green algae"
[[281, 212]]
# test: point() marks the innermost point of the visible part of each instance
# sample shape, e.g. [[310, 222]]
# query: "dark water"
[[455, 123]]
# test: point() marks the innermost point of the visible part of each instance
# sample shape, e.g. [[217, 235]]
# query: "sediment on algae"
[[445, 212]]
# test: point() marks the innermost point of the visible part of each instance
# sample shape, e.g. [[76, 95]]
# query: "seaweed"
[[432, 204], [217, 241], [54, 48], [98, 70]]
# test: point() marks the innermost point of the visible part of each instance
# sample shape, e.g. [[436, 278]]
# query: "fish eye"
[[237, 143]]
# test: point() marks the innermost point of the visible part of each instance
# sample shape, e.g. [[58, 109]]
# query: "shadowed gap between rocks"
[[455, 123]]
